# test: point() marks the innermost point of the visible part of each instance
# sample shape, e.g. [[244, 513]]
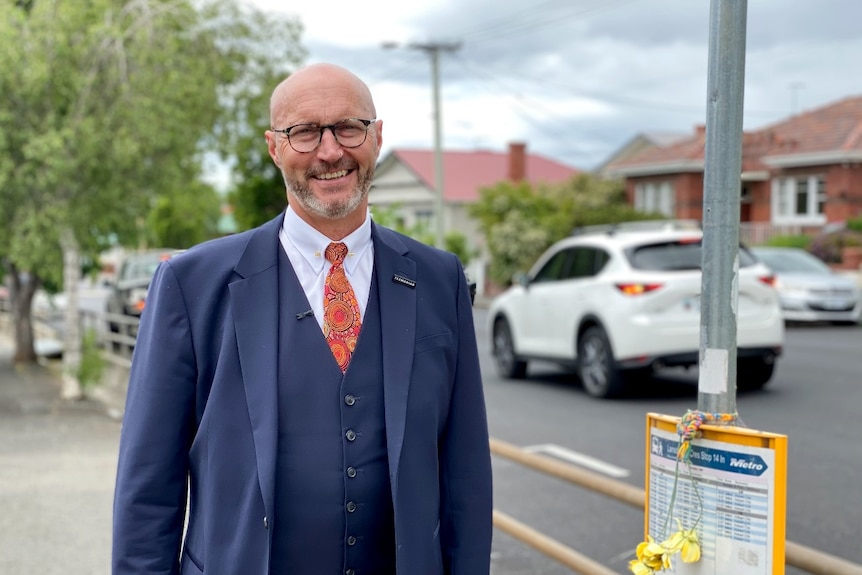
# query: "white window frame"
[[655, 197], [785, 206]]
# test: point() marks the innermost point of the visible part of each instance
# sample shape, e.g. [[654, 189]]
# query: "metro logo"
[[746, 464]]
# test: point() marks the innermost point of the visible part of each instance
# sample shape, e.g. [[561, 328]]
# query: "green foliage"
[[258, 194], [258, 198], [520, 222], [855, 224], [110, 105], [515, 243], [795, 241], [456, 242], [185, 217], [386, 216], [92, 364], [108, 108], [35, 245]]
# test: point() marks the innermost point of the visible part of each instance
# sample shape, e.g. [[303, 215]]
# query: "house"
[[405, 181], [798, 175], [635, 146]]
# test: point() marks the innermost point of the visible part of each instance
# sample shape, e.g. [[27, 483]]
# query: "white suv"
[[617, 302]]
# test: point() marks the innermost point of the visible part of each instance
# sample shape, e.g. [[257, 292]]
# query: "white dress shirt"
[[305, 246]]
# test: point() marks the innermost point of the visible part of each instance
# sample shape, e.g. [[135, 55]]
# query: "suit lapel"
[[254, 300], [394, 272]]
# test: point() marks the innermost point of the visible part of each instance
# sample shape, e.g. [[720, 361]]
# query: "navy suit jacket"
[[199, 432]]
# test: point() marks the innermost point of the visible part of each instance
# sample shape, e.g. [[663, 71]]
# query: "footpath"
[[57, 468]]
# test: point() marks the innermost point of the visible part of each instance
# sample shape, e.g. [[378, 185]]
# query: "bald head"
[[314, 86]]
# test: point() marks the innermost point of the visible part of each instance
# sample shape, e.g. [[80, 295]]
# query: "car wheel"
[[508, 364], [596, 365], [754, 372]]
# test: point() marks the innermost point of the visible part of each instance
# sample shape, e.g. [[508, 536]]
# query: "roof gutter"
[[813, 159], [656, 169]]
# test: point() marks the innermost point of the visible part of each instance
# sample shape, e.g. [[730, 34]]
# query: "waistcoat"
[[333, 502]]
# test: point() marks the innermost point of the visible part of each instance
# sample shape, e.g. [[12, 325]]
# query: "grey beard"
[[331, 209]]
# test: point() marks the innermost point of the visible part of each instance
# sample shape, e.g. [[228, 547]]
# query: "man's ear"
[[379, 135], [270, 145]]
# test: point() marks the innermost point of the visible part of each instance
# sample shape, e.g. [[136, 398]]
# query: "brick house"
[[405, 181], [798, 175]]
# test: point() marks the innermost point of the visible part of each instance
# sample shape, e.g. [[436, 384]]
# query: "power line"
[[536, 19]]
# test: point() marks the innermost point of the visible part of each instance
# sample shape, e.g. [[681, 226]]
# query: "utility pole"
[[433, 50]]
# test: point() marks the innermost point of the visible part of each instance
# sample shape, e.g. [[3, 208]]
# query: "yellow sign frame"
[[734, 436]]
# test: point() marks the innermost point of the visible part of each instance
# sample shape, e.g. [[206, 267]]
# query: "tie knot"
[[335, 252]]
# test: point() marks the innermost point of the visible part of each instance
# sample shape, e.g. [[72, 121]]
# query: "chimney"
[[700, 129], [517, 161]]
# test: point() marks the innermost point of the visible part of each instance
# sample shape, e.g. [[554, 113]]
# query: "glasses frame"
[[321, 129]]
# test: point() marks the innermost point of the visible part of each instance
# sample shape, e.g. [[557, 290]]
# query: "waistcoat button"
[[349, 399], [351, 472], [351, 506], [351, 540], [350, 435]]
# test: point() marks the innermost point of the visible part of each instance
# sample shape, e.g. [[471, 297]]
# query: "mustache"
[[326, 168]]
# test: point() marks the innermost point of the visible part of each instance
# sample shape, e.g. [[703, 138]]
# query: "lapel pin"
[[404, 281]]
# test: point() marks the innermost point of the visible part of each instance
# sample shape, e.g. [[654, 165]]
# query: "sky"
[[575, 79]]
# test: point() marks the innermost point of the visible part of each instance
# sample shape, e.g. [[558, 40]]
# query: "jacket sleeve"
[[158, 427], [467, 507]]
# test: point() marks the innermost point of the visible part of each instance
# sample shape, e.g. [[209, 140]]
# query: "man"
[[306, 417]]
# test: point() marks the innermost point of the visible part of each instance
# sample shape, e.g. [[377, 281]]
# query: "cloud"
[[576, 79]]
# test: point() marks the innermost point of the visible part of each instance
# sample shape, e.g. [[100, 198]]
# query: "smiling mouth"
[[332, 175]]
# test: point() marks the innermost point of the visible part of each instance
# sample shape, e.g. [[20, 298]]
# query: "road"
[[814, 399]]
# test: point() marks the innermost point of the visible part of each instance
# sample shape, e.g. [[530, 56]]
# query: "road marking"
[[579, 459]]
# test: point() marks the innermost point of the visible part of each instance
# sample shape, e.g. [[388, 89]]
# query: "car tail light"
[[769, 280], [634, 289], [686, 241]]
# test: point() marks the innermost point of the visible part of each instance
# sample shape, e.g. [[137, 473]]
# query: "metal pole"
[[722, 168], [438, 150]]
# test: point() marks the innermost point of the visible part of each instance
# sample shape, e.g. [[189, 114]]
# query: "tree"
[[185, 217], [454, 241], [107, 104], [258, 194], [520, 222]]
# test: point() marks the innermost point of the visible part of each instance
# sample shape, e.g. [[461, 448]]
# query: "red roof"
[[466, 172], [836, 127]]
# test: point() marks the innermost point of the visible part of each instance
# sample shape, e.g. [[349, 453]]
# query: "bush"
[[855, 224], [92, 363], [828, 246], [800, 241]]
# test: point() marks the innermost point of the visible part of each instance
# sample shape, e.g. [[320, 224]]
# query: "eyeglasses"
[[349, 133]]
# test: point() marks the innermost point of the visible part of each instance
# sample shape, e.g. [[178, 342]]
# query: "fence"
[[759, 233]]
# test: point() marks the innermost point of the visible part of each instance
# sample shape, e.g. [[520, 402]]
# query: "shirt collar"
[[311, 244]]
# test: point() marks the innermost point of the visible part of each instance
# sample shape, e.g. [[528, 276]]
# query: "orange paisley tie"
[[341, 321]]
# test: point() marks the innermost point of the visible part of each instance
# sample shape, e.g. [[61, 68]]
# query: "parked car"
[[128, 292], [808, 289], [617, 302]]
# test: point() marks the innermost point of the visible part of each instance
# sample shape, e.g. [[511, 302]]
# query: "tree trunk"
[[22, 287], [72, 336]]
